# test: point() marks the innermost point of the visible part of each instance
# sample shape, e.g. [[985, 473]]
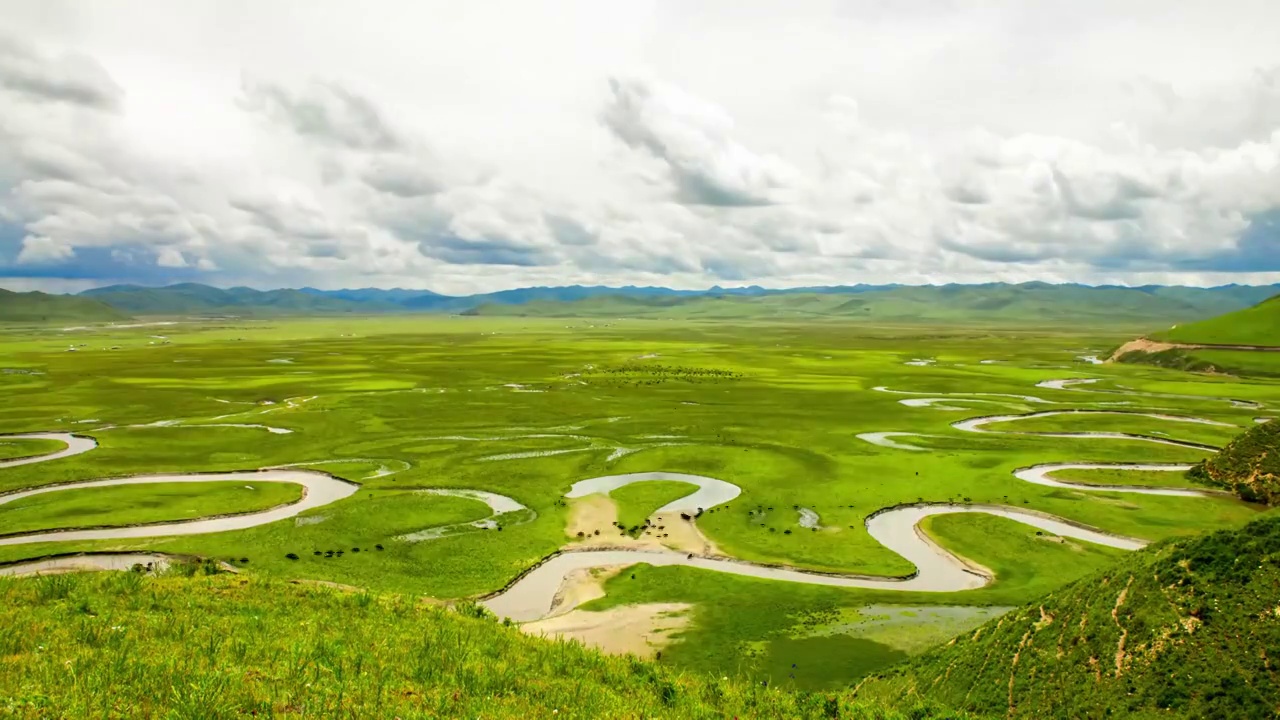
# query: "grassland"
[[525, 407], [11, 449], [1183, 630], [141, 504], [38, 308], [1217, 435], [1248, 466], [127, 646], [1150, 478], [637, 502], [992, 304], [1258, 325]]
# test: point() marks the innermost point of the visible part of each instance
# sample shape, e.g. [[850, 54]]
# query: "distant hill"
[[1258, 325], [1241, 342], [1177, 630], [1073, 305], [1249, 466], [991, 302], [38, 307], [196, 299]]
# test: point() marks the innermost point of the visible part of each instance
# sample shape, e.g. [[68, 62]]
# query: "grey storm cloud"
[[402, 177], [692, 140], [485, 251], [1114, 197], [568, 231], [322, 111], [1257, 249], [69, 78]]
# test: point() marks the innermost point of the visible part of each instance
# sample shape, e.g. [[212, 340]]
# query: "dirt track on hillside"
[[1147, 345]]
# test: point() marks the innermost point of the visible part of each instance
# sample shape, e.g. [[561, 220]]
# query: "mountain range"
[[995, 302]]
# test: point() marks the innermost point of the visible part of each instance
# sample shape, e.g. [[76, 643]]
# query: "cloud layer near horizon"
[[505, 144]]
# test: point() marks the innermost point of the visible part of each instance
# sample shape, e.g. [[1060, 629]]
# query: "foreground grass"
[[138, 504], [1183, 629], [121, 645]]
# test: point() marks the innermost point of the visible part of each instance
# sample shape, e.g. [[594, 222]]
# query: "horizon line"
[[710, 289]]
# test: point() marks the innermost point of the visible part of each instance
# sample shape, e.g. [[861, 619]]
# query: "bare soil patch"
[[640, 630]]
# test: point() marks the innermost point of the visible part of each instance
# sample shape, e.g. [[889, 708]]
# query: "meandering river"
[[533, 594]]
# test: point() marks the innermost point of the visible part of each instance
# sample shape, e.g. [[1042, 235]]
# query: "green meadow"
[[525, 407], [25, 447], [141, 504]]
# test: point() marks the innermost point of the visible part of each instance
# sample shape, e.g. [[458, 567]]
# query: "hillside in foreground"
[[124, 645], [1248, 466], [38, 307], [1187, 629], [1257, 325]]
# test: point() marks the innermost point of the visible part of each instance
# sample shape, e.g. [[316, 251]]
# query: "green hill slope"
[[1249, 466], [196, 299], [1189, 629], [1029, 303], [38, 307], [992, 302], [1258, 325], [224, 646]]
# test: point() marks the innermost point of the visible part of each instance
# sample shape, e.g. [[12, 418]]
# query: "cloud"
[[1256, 250], [402, 176], [692, 139], [67, 78], [859, 145], [485, 251], [37, 250], [322, 111], [568, 231]]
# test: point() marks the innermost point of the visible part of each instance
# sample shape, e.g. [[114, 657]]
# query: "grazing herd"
[[329, 553]]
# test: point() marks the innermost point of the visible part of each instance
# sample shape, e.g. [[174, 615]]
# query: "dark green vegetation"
[[121, 645], [1248, 466], [137, 504], [1186, 629], [1257, 325], [1176, 359], [38, 307]]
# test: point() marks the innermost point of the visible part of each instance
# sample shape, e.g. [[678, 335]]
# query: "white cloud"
[[68, 77], [37, 249], [781, 144], [693, 139]]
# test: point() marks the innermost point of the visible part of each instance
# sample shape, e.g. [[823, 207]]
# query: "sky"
[[478, 146]]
